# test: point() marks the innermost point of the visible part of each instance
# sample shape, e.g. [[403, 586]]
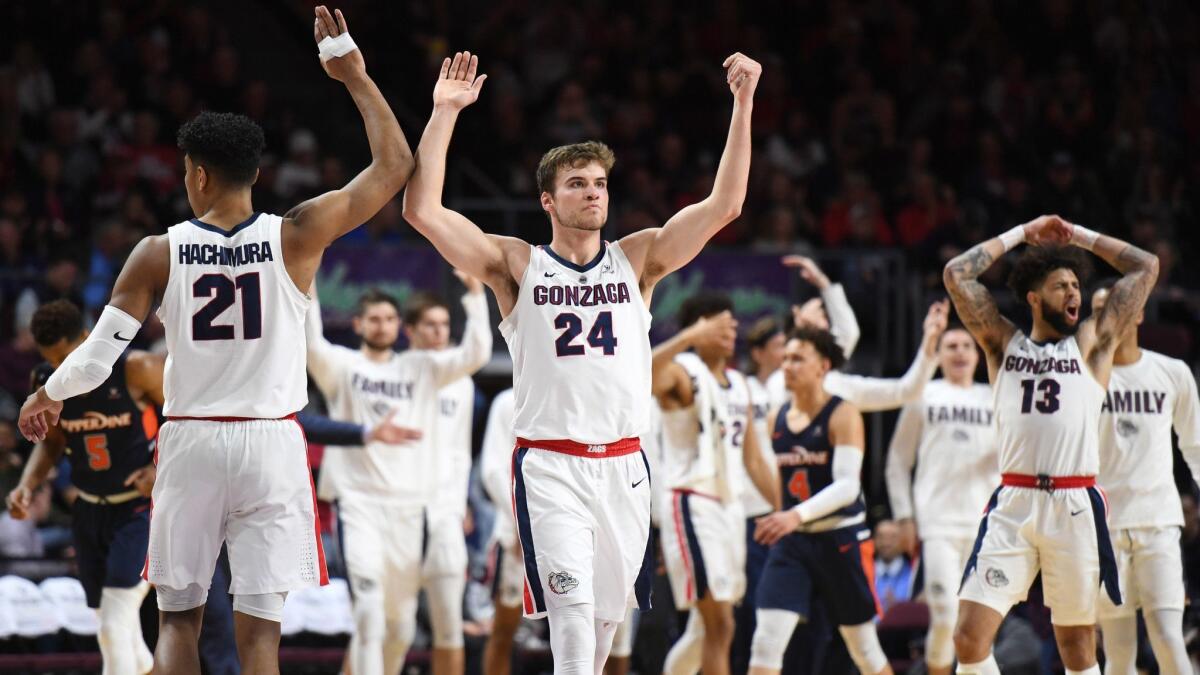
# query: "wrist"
[[1013, 238], [444, 109], [44, 397], [1083, 237]]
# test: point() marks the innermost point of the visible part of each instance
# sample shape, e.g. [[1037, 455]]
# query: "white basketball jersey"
[[753, 502], [1047, 406], [234, 323], [1145, 399], [957, 465], [738, 423], [580, 345], [702, 445], [456, 408]]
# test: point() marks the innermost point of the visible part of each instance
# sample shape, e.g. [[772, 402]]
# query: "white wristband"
[[1083, 237], [333, 47], [1013, 238]]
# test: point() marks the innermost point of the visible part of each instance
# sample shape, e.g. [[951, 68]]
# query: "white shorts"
[[506, 570], [381, 546], [244, 483], [1150, 567], [704, 548], [444, 549], [584, 527], [1063, 534], [943, 560]]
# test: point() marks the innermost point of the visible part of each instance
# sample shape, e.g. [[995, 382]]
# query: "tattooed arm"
[[974, 303], [1100, 335]]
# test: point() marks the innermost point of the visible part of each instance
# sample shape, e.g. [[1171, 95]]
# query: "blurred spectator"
[[855, 215], [299, 175], [893, 569]]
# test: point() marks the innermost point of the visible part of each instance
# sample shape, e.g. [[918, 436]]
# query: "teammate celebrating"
[[707, 435], [820, 542], [1049, 386], [1148, 395], [576, 320], [385, 498], [948, 434], [232, 462]]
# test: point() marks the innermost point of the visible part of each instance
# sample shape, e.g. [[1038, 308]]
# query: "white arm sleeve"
[[845, 488], [476, 347], [91, 363], [902, 455], [842, 322], [873, 394], [498, 443], [1186, 420], [324, 363]]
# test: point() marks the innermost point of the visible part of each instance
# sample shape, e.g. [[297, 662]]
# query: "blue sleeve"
[[325, 431]]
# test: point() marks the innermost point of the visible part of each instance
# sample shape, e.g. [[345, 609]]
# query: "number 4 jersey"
[[580, 344], [234, 323], [1047, 406]]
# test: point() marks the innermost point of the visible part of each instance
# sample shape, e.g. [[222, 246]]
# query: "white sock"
[[985, 667], [1094, 670], [120, 630]]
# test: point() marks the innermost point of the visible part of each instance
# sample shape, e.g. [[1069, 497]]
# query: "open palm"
[[457, 86]]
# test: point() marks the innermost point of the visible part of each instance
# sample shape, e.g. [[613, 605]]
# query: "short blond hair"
[[574, 156]]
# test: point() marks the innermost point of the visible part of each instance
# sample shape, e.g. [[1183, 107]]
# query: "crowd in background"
[[879, 124]]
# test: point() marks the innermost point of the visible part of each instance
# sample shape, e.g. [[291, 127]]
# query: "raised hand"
[[341, 68], [18, 502], [457, 86], [935, 324], [38, 414], [742, 73], [1048, 231], [719, 328], [809, 271]]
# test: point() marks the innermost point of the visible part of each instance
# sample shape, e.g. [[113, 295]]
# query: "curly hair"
[[227, 144], [574, 156], [1037, 262], [55, 321], [823, 341], [703, 305]]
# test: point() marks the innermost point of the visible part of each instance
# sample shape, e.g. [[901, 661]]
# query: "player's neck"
[[715, 363], [575, 246], [1044, 332], [762, 373], [229, 210], [1128, 352], [964, 382], [376, 355], [810, 400]]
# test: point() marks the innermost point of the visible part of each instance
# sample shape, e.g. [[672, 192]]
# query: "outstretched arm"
[[320, 220], [476, 347], [762, 473], [497, 261], [657, 252], [837, 310]]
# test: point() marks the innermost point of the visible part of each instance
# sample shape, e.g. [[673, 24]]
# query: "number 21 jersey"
[[234, 323], [1047, 406], [580, 344]]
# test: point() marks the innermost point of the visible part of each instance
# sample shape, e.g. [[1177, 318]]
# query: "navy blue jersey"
[[108, 435], [806, 459]]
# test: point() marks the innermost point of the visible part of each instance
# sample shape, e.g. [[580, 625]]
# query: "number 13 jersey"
[[579, 336], [1047, 406], [234, 323]]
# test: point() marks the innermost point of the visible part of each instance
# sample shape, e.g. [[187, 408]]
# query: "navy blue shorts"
[[110, 544], [835, 563]]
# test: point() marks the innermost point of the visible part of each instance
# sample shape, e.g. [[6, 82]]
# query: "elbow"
[[414, 210], [1152, 264], [731, 212], [950, 275]]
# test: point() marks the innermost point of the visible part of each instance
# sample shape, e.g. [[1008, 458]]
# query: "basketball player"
[[820, 545], [386, 495], [232, 462], [1148, 395], [1047, 515], [444, 572], [576, 320], [949, 436], [707, 433], [506, 567]]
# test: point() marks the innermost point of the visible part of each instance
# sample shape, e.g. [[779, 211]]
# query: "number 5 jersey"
[[234, 323]]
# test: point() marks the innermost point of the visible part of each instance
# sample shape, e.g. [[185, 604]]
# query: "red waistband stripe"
[[234, 419], [625, 446], [1048, 483]]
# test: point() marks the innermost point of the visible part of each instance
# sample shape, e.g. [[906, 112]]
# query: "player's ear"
[[1031, 299], [547, 202], [202, 177], [255, 179]]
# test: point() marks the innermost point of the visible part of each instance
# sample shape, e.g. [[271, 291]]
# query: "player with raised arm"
[[1048, 387], [387, 497], [1149, 394], [949, 436], [576, 319], [821, 548], [232, 462], [708, 443]]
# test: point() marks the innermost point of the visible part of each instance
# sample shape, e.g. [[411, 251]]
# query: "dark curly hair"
[[56, 320], [824, 343], [226, 144], [1037, 262], [703, 305]]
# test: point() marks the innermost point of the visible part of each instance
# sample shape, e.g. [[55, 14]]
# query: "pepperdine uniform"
[[232, 460], [949, 435], [1047, 515], [495, 470], [579, 339], [382, 490], [1144, 401], [701, 520]]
